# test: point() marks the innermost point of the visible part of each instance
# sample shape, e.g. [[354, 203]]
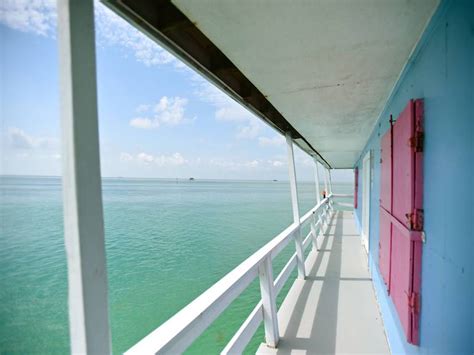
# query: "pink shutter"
[[401, 223]]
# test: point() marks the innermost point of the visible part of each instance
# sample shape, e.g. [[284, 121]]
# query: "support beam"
[[330, 189], [316, 181], [330, 181], [82, 193], [325, 175], [295, 206], [270, 319]]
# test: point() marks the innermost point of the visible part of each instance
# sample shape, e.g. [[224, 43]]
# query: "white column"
[[326, 181], [82, 195], [270, 319], [331, 201], [317, 217], [330, 181], [294, 203], [316, 181], [326, 207]]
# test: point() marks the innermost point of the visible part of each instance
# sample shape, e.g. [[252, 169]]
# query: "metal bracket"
[[423, 237], [416, 142]]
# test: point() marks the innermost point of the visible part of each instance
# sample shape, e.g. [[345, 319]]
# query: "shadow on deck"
[[334, 310]]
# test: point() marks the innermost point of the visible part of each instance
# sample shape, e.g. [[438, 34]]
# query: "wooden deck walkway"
[[334, 310]]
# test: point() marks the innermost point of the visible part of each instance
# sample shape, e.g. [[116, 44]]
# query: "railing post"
[[330, 181], [316, 232], [270, 318], [326, 182], [82, 195], [313, 232], [294, 203], [316, 181], [330, 189]]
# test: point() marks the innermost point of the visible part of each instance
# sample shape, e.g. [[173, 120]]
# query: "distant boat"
[[191, 178], [275, 180]]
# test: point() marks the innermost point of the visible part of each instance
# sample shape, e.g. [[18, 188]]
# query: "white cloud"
[[274, 141], [145, 158], [233, 165], [253, 164], [19, 139], [143, 122], [168, 111], [126, 157], [250, 130], [113, 30], [275, 163], [248, 126], [232, 112], [175, 159], [38, 16]]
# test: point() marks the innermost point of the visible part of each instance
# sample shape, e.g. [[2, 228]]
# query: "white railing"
[[180, 331], [343, 200]]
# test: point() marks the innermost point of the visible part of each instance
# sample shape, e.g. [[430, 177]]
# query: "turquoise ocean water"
[[167, 241]]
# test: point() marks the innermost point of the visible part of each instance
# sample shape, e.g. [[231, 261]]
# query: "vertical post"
[[330, 202], [314, 231], [326, 207], [294, 203], [326, 182], [316, 181], [330, 181], [270, 319], [82, 195]]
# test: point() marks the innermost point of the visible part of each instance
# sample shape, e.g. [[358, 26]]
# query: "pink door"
[[401, 220]]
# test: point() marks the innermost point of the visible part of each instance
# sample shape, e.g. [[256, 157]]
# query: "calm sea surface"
[[167, 242]]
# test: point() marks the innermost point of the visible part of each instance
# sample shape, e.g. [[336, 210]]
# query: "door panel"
[[403, 167], [400, 276], [401, 215], [386, 172]]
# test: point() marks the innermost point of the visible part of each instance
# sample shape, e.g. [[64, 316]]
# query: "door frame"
[[366, 182]]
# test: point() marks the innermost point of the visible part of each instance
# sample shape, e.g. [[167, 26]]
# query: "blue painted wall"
[[441, 71]]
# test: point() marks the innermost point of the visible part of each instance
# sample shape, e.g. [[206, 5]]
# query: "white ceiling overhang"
[[327, 67]]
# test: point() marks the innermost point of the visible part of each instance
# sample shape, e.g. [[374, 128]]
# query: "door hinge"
[[415, 220], [416, 142], [414, 302]]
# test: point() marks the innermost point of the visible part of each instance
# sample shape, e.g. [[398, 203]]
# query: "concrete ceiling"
[[327, 66]]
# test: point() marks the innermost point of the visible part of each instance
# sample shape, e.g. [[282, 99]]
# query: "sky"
[[157, 117]]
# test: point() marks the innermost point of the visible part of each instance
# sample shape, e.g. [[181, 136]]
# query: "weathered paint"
[[440, 71]]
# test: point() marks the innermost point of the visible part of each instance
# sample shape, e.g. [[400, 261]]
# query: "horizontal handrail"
[[244, 334], [308, 214], [177, 333], [343, 195]]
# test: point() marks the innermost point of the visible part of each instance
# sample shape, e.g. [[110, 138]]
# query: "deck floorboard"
[[333, 311]]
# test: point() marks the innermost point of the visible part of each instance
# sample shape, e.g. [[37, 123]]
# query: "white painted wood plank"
[[285, 274], [295, 206], [267, 291], [246, 331], [316, 181], [82, 194]]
